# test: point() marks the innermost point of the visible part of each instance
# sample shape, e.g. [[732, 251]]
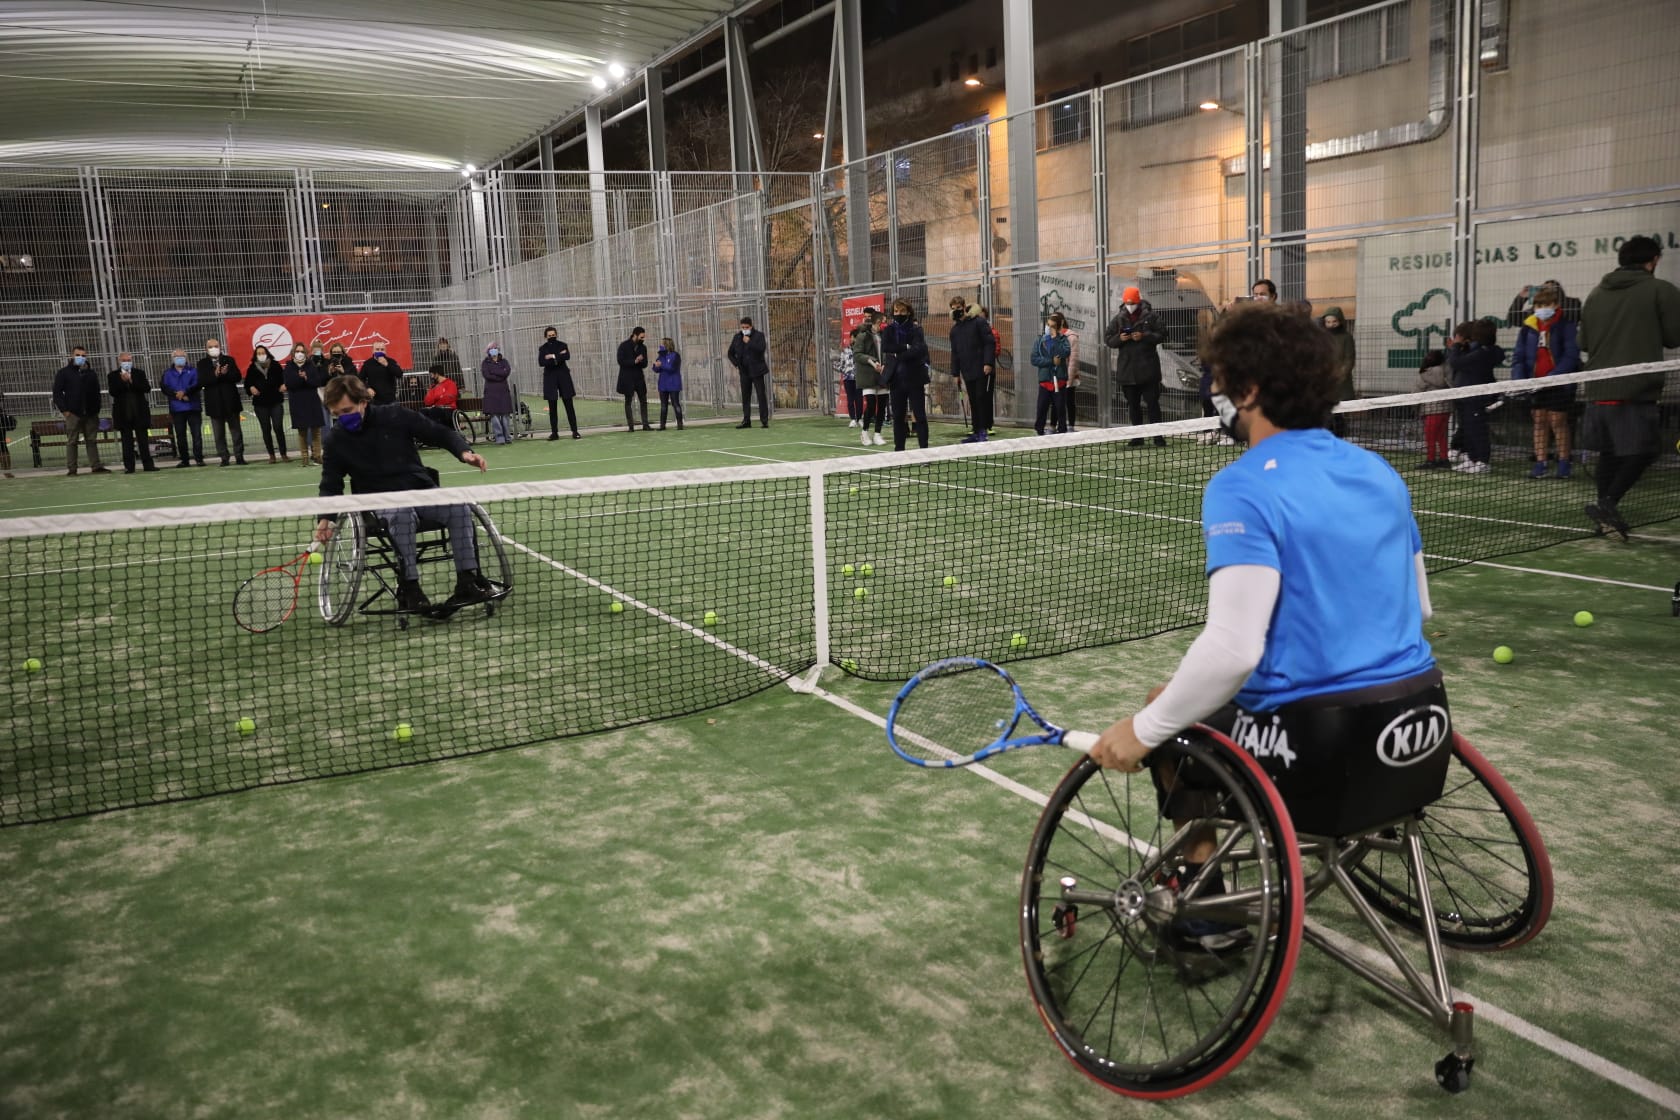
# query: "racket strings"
[[961, 710], [266, 600]]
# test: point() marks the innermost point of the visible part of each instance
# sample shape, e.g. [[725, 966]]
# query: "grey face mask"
[[1228, 414]]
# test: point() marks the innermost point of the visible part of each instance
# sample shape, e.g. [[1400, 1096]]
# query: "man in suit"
[[131, 411]]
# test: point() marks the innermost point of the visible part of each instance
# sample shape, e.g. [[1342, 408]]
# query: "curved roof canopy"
[[407, 83]]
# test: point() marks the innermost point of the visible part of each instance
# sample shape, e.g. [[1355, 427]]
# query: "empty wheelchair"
[[1111, 904], [360, 568]]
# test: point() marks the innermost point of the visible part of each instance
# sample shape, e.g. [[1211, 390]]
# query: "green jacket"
[[1628, 319]]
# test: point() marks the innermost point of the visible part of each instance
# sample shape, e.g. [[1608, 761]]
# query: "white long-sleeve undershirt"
[[1241, 599]]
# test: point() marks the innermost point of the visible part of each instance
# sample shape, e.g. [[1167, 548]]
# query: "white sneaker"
[[854, 423], [879, 442], [864, 438], [1470, 466], [1225, 440], [1455, 457]]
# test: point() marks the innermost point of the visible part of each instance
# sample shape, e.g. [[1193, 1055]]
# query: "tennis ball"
[[861, 593], [247, 725], [1018, 641], [849, 665], [403, 732], [867, 569], [1504, 655], [32, 665], [847, 570], [1583, 618], [950, 581], [315, 558], [711, 618], [853, 490], [617, 607]]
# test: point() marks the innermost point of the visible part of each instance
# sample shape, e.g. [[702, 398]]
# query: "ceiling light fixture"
[[972, 83], [598, 82], [615, 70], [816, 136]]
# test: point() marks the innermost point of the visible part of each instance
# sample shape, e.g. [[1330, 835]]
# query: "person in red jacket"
[[441, 400]]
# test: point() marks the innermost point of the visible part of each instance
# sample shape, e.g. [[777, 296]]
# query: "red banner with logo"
[[851, 313], [360, 333]]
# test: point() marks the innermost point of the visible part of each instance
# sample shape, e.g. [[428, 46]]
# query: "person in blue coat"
[[186, 413], [668, 365], [1050, 358], [1547, 345]]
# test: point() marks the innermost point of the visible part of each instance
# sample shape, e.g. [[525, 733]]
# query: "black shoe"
[[577, 435], [149, 468], [744, 424], [646, 427], [679, 425], [766, 424], [240, 462], [101, 470], [1160, 441], [1136, 443], [552, 436], [411, 598], [183, 463], [470, 587], [1617, 522], [225, 462], [128, 470]]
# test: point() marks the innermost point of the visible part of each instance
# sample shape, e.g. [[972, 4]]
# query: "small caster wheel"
[[1065, 917], [1452, 1072], [402, 623], [489, 610]]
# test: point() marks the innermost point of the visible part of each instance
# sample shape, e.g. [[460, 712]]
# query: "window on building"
[[901, 170], [912, 263], [1358, 44], [962, 153], [364, 256], [1070, 117]]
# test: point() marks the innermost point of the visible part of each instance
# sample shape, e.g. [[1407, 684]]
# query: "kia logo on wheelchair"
[[1413, 735]]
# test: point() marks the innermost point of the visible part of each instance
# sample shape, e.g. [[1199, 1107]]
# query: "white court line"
[[1041, 500], [1522, 1028], [743, 455], [1544, 572], [1572, 530]]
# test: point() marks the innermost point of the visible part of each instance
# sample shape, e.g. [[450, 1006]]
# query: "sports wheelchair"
[[1106, 895], [361, 548]]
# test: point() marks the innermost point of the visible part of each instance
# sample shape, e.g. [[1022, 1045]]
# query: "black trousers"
[[1617, 474], [670, 399], [749, 385], [640, 393], [874, 409], [554, 415], [979, 390], [185, 424], [1050, 409], [271, 419], [905, 401], [134, 444], [1473, 429], [1141, 399], [1070, 398]]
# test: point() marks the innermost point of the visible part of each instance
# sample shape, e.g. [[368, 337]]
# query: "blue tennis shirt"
[[1335, 521]]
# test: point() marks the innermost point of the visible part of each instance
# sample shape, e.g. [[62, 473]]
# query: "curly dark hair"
[[1289, 359]]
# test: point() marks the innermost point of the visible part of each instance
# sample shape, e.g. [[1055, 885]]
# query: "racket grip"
[[1079, 740]]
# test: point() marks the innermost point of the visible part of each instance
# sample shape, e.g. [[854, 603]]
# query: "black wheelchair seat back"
[[1345, 768]]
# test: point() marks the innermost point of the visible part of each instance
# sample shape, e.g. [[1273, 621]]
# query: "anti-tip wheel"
[[1452, 1072]]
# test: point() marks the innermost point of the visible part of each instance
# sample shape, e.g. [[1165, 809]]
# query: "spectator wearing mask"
[[973, 358], [554, 358], [749, 353], [632, 376], [441, 400], [1049, 357], [76, 396], [266, 382], [219, 377], [1346, 356], [498, 394], [845, 364], [186, 413], [1072, 337], [446, 359], [304, 377], [1568, 307], [1432, 375], [1546, 345], [1630, 318], [131, 412], [383, 375], [872, 386], [668, 365], [904, 355], [1472, 358], [1135, 335], [1263, 291]]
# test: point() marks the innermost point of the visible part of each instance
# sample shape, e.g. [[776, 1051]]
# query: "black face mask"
[[901, 319], [551, 337], [957, 315]]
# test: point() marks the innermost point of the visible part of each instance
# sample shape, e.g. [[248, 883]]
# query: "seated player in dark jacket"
[[375, 449]]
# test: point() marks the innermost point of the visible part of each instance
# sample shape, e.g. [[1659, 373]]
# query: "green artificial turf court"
[[756, 910]]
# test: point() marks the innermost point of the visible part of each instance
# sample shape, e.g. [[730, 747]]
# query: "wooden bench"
[[50, 433]]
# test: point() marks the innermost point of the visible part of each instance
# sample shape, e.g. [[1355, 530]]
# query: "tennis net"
[[631, 599]]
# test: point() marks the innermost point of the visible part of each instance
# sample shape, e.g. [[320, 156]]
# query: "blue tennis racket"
[[959, 702]]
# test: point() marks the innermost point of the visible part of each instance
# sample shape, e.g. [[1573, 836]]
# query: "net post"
[[819, 570]]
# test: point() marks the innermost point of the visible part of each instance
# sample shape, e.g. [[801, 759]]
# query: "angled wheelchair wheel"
[[1153, 981], [492, 554], [343, 559], [1490, 879]]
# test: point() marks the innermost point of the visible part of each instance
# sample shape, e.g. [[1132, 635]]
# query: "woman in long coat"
[[304, 377], [498, 394]]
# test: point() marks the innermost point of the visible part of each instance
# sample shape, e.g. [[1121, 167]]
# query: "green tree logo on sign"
[[1428, 322]]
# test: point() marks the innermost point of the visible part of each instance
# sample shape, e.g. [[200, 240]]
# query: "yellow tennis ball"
[[849, 665], [1018, 641], [247, 725], [867, 569], [1504, 655], [617, 607], [402, 731], [853, 490], [711, 618], [1583, 618], [861, 593], [315, 558], [950, 581], [847, 570], [32, 665]]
